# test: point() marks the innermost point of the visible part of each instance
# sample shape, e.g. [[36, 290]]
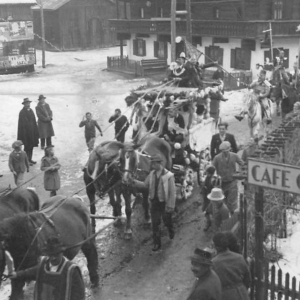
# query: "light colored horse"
[[255, 112]]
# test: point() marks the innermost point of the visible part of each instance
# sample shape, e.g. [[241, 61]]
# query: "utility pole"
[[188, 21], [173, 30], [43, 33]]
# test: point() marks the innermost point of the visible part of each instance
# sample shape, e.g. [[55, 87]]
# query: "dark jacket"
[[51, 177], [45, 116], [90, 129], [234, 275], [28, 131], [64, 284], [208, 287], [216, 142], [119, 123], [18, 162]]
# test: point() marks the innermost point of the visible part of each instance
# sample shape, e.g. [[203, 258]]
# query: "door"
[[96, 37]]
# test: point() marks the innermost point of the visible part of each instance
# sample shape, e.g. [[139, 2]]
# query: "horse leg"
[[17, 292], [127, 197], [146, 208], [90, 252]]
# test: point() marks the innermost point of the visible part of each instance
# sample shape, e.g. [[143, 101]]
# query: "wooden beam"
[[188, 21]]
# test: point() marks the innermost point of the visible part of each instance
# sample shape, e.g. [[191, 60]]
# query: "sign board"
[[282, 177], [16, 31], [14, 61]]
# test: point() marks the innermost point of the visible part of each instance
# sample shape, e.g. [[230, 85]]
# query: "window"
[[278, 9], [214, 53], [216, 13], [240, 59], [142, 13], [161, 49], [161, 12], [139, 47]]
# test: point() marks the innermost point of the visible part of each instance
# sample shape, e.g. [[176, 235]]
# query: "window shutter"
[[156, 43], [135, 47], [220, 56], [166, 50], [232, 58], [144, 48], [247, 59]]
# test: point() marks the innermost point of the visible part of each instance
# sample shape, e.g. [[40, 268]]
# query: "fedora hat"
[[17, 143], [220, 240], [201, 257], [182, 55], [216, 195], [53, 246], [156, 158], [26, 100], [41, 97], [225, 146]]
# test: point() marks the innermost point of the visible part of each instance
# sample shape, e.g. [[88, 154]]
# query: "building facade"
[[75, 24], [229, 31]]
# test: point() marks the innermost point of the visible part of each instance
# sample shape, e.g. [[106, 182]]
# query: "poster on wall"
[[14, 61], [15, 31]]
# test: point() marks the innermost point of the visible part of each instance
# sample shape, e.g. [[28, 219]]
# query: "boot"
[[269, 121], [240, 117]]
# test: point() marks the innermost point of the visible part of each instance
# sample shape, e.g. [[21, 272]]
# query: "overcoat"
[[216, 142], [51, 177], [234, 275], [45, 116], [28, 131]]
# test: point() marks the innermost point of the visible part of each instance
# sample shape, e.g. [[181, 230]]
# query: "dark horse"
[[60, 216]]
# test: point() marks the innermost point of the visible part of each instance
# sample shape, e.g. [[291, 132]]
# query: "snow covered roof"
[[17, 2], [52, 4]]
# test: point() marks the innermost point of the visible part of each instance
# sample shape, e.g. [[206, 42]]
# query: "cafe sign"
[[282, 177]]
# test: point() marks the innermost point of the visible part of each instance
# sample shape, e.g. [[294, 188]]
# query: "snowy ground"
[[74, 83]]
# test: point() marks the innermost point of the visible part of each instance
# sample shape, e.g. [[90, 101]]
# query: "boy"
[[18, 162]]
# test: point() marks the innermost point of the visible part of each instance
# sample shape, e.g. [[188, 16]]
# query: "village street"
[[74, 83]]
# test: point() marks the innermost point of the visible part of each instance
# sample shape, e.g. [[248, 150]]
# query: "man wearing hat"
[[18, 162], [231, 268], [217, 209], [57, 278], [220, 137], [28, 131], [162, 194], [225, 164], [45, 117], [207, 284], [179, 73]]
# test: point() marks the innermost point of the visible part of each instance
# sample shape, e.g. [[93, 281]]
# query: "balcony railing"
[[238, 29]]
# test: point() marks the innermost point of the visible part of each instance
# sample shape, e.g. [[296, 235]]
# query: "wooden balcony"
[[233, 29]]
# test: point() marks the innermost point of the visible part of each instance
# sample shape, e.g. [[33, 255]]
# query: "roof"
[[52, 4], [17, 2]]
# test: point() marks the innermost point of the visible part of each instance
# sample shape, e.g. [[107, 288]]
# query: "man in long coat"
[[28, 131], [232, 270], [207, 285], [45, 116]]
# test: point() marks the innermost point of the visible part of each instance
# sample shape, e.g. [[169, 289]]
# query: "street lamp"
[[43, 33]]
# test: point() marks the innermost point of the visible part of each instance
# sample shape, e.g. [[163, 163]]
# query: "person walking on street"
[[51, 166], [45, 117], [90, 126], [161, 185], [232, 270], [18, 162], [57, 278], [207, 285], [217, 209], [28, 131], [220, 137], [225, 164], [121, 125]]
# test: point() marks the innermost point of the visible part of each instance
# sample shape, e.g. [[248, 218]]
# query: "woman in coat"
[[45, 116], [51, 166], [232, 270]]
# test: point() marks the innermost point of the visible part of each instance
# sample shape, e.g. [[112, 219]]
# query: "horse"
[[257, 115], [18, 201], [135, 160], [103, 175], [24, 236]]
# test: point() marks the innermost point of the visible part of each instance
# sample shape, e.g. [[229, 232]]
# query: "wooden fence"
[[274, 285]]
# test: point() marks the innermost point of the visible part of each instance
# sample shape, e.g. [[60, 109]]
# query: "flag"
[[266, 41], [191, 51]]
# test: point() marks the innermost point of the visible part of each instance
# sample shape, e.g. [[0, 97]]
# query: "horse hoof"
[[128, 235]]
